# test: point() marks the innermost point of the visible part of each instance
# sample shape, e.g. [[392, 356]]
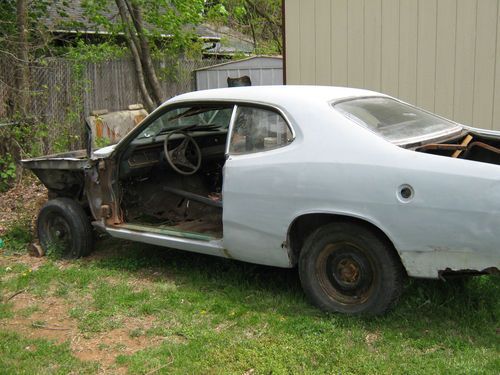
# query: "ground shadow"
[[470, 305]]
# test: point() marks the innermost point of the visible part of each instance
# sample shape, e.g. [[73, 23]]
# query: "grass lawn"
[[139, 309]]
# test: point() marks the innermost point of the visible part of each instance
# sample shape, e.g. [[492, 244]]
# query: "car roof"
[[276, 94]]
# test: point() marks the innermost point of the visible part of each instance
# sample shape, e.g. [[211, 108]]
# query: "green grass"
[[209, 315], [25, 356], [18, 236]]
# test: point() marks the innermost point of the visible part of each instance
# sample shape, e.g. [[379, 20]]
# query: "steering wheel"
[[178, 157]]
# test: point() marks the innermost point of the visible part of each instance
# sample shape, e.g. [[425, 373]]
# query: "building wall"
[[442, 55]]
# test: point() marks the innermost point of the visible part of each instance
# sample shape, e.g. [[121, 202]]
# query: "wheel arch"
[[306, 223]]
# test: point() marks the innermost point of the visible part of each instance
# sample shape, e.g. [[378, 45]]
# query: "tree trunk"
[[134, 49], [23, 57], [252, 29], [146, 59]]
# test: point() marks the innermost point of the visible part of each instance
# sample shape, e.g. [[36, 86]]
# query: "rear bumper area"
[[433, 264]]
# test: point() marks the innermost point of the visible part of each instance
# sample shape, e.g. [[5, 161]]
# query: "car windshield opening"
[[189, 118], [395, 121]]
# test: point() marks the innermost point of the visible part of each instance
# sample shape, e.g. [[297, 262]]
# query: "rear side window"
[[393, 120], [258, 129]]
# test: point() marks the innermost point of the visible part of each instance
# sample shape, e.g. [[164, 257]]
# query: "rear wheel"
[[347, 268], [64, 227]]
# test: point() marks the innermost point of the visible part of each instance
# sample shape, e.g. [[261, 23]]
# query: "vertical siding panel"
[[307, 43], [339, 42], [426, 60], [408, 28], [465, 56], [355, 43], [323, 43], [445, 57], [372, 44], [292, 15], [496, 97], [484, 86], [390, 47]]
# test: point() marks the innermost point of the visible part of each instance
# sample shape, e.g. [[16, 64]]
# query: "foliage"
[[83, 52], [54, 251], [18, 236], [36, 12], [170, 33], [101, 142], [7, 172], [174, 18], [18, 140], [258, 19]]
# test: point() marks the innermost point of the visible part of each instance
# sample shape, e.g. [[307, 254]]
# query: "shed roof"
[[271, 62]]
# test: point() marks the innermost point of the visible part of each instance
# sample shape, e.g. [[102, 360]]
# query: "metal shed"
[[262, 70]]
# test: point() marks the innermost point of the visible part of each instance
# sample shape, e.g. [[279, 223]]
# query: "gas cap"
[[405, 193]]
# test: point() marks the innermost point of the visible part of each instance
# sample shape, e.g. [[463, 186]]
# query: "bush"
[[18, 236], [7, 172]]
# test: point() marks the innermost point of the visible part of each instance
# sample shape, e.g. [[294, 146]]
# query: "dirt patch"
[[371, 340], [105, 347], [23, 201], [32, 262], [49, 318]]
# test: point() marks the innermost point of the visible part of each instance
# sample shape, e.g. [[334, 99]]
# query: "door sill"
[[168, 231], [196, 242]]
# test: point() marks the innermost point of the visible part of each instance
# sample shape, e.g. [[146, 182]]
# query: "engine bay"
[[468, 145]]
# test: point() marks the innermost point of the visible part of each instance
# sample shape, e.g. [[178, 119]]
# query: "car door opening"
[[171, 174]]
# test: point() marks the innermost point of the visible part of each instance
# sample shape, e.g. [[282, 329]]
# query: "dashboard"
[[142, 155]]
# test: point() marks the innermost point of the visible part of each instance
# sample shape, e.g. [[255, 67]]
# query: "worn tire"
[[63, 223], [347, 268]]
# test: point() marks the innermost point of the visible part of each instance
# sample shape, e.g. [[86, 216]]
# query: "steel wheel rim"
[[57, 232], [345, 273]]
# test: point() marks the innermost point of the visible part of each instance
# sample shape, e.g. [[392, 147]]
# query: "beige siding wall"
[[442, 55]]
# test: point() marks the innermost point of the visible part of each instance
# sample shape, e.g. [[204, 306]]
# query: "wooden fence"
[[62, 94]]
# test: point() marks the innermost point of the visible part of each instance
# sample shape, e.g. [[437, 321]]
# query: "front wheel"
[[63, 226], [347, 268]]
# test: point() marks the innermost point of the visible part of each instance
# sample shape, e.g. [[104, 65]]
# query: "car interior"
[[171, 173]]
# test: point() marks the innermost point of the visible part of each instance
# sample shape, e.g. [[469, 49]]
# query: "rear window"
[[395, 121]]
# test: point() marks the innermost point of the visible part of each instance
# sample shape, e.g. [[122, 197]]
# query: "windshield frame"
[[457, 129], [196, 111]]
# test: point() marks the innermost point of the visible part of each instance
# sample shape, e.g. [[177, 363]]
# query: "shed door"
[[256, 206]]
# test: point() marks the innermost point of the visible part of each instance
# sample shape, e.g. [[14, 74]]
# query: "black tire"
[[63, 225], [347, 268]]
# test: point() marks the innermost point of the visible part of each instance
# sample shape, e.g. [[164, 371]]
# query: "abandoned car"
[[357, 189]]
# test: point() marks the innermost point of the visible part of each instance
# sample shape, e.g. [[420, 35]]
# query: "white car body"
[[440, 213], [334, 166]]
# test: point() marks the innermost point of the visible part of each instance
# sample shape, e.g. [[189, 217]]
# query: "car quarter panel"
[[336, 166]]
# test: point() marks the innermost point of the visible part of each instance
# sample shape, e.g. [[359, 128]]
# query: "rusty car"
[[356, 189]]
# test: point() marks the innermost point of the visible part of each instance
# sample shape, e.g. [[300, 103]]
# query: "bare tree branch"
[[274, 24], [122, 8], [145, 52], [262, 13]]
